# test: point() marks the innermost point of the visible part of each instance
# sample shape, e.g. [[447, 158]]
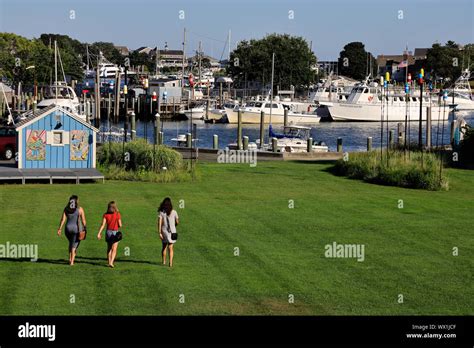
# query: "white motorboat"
[[181, 140], [463, 99], [195, 113], [294, 139], [365, 104], [252, 110], [216, 113], [63, 95]]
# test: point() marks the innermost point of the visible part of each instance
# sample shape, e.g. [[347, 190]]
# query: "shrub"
[[399, 171], [139, 155], [133, 161]]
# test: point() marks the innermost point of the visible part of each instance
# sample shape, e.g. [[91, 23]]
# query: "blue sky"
[[329, 24]]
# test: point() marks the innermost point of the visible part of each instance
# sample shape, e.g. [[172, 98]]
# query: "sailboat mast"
[[184, 49], [229, 44], [271, 91], [56, 70]]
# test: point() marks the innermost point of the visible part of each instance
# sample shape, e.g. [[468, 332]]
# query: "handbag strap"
[[168, 223]]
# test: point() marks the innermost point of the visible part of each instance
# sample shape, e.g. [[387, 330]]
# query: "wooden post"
[[161, 138], [246, 142], [215, 141], [369, 144], [262, 129], [132, 122], [390, 139], [400, 133], [109, 102], [339, 144], [207, 109], [239, 131], [428, 127], [188, 140], [157, 128], [285, 118], [451, 133], [274, 144], [309, 145], [87, 112]]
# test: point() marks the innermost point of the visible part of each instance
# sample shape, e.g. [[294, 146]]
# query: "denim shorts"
[[110, 236]]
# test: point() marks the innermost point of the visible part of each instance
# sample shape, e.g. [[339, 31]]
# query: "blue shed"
[[54, 137]]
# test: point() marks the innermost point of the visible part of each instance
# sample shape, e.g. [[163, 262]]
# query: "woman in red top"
[[113, 221]]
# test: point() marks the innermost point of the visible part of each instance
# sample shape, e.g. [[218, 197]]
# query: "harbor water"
[[354, 134]]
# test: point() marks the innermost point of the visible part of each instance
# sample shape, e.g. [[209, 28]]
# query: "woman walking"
[[75, 219], [113, 221], [167, 221]]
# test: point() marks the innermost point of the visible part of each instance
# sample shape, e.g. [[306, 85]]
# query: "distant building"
[[144, 49], [214, 64], [123, 50], [168, 58], [420, 53], [327, 66], [393, 64]]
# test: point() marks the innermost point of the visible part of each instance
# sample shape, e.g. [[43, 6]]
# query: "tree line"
[[251, 61]]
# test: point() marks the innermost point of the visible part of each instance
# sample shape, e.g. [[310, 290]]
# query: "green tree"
[[23, 60], [252, 61], [354, 61], [449, 60], [108, 50]]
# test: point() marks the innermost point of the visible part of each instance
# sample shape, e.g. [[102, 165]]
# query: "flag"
[[403, 64]]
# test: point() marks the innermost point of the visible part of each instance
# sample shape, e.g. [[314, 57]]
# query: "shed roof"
[[32, 116]]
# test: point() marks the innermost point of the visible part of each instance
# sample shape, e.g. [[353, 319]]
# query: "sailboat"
[[60, 93]]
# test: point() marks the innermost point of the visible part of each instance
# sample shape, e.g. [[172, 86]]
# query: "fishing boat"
[[463, 99], [274, 113], [365, 104]]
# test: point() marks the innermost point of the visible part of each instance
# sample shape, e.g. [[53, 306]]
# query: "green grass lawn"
[[408, 251]]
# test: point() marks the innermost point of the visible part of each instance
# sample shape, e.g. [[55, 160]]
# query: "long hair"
[[166, 206], [112, 208], [71, 205]]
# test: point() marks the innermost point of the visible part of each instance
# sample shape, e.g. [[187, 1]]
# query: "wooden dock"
[[10, 173]]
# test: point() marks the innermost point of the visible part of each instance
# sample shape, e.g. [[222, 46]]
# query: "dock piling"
[[132, 121], [157, 127], [369, 144], [285, 118], [339, 144], [309, 145], [239, 131], [215, 141], [274, 144], [188, 140], [428, 127], [262, 129], [246, 142]]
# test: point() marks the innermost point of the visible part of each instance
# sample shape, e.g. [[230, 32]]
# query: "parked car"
[[7, 143]]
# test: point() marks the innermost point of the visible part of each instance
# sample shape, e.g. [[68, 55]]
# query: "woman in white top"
[[167, 221]]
